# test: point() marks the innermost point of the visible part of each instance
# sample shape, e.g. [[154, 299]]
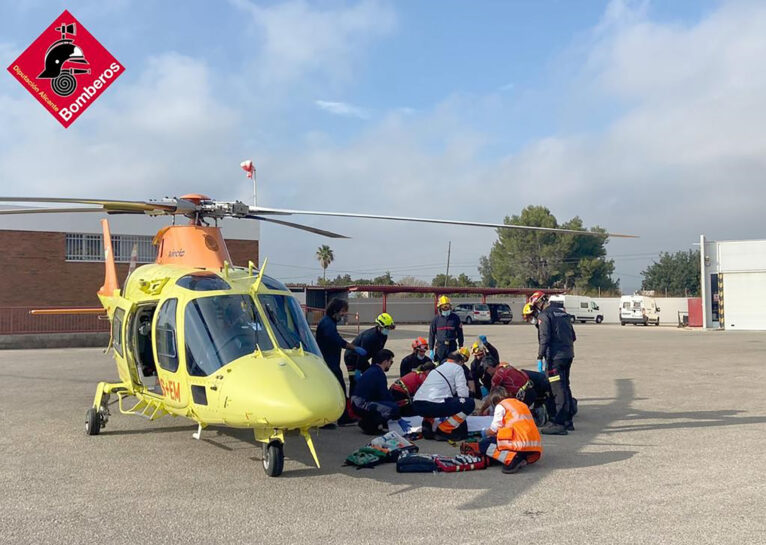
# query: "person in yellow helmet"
[[529, 313], [372, 340], [446, 332]]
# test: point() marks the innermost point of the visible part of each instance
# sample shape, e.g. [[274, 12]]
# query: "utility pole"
[[449, 250]]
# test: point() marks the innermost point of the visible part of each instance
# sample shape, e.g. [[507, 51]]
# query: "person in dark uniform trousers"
[[556, 338], [330, 343], [446, 332]]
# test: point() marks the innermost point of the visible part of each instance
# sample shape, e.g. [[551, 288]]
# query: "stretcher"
[[414, 424]]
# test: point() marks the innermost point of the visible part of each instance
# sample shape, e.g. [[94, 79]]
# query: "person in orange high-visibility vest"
[[512, 439]]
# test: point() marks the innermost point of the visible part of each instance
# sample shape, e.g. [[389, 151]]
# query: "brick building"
[[56, 260]]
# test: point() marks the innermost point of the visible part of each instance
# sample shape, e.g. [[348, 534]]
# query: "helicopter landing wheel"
[[273, 458], [92, 422]]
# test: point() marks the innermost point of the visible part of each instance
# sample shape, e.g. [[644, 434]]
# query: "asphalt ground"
[[669, 448]]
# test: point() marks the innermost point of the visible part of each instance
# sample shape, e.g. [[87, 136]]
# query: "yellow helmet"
[[528, 311], [385, 320], [464, 353], [477, 347], [443, 300]]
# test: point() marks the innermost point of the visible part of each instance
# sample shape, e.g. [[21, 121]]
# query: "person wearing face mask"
[[416, 358], [372, 340], [446, 332], [330, 343]]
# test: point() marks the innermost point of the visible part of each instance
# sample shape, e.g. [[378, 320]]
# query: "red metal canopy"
[[435, 290]]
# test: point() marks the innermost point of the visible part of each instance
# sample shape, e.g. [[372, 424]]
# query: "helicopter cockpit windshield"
[[288, 323], [220, 329]]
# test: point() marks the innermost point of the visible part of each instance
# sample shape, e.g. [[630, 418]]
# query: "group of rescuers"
[[437, 382]]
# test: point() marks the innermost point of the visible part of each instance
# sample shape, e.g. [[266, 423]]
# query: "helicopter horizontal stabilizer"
[[58, 311]]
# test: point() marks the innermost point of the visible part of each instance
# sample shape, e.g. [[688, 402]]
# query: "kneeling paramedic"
[[512, 439], [371, 400], [405, 387], [484, 355], [444, 395]]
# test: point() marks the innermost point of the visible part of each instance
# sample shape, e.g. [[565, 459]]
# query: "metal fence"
[[18, 321]]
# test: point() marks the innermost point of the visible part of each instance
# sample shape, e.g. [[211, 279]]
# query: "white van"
[[639, 309], [580, 308]]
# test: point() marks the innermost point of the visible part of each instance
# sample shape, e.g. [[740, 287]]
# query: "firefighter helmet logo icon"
[[59, 61], [74, 68]]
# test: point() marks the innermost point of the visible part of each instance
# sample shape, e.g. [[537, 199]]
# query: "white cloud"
[[342, 109], [300, 40]]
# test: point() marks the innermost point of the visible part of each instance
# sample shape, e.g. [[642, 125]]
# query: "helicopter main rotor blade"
[[106, 204], [299, 226], [6, 211], [262, 211]]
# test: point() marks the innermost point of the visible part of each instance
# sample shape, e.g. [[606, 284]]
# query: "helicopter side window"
[[288, 322], [220, 329], [117, 319], [165, 336]]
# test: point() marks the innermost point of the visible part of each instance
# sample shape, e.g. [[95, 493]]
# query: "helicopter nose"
[[281, 391]]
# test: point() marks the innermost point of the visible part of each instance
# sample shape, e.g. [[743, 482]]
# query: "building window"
[[89, 247]]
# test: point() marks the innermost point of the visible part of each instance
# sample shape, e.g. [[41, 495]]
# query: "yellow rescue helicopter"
[[195, 336]]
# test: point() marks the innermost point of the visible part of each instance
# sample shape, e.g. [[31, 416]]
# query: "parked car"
[[473, 312], [500, 312], [638, 309], [580, 308]]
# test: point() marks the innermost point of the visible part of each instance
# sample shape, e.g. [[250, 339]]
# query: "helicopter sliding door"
[[140, 343], [126, 364]]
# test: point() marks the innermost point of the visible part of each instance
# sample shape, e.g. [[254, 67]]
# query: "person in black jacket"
[[484, 355], [556, 346], [446, 332], [372, 340], [329, 340], [371, 399], [415, 359], [331, 343]]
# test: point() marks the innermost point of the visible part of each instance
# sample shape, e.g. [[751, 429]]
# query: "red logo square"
[[66, 69]]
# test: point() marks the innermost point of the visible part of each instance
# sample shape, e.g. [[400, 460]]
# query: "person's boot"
[[553, 429], [569, 426], [514, 466], [428, 428]]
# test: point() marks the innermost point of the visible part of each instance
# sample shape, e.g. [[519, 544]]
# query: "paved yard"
[[669, 448]]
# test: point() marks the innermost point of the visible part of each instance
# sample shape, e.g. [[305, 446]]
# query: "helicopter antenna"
[[249, 168]]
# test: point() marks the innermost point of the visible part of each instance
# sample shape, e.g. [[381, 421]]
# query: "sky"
[[641, 117]]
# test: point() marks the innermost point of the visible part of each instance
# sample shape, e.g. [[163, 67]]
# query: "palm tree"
[[325, 257]]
